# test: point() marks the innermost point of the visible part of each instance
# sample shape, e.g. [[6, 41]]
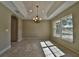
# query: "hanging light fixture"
[[36, 19]]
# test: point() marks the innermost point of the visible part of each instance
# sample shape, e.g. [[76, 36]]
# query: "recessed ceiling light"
[[30, 10]]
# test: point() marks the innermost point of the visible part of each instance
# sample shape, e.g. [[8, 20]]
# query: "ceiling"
[[46, 10], [42, 10]]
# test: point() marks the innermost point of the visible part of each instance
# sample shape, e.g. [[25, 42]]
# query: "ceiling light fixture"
[[36, 19]]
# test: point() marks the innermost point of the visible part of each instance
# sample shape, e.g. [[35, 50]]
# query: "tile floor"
[[27, 48]]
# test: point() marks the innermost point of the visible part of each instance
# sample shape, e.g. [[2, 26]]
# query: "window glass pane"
[[57, 28], [67, 28], [64, 28]]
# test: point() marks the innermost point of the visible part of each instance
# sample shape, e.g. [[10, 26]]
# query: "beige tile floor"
[[27, 48]]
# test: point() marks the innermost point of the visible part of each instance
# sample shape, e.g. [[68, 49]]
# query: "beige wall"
[[5, 28], [5, 31], [33, 30], [74, 10], [19, 29]]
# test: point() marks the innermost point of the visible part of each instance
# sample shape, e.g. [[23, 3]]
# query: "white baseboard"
[[1, 52]]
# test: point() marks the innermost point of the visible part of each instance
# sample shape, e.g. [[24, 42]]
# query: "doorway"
[[14, 28]]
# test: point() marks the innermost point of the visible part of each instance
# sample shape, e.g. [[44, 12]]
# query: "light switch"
[[6, 30]]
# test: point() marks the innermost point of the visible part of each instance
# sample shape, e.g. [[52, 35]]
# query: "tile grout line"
[[50, 49]]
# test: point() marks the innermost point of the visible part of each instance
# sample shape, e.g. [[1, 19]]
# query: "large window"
[[64, 28]]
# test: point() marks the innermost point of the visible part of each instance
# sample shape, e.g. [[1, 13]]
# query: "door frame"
[[12, 22]]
